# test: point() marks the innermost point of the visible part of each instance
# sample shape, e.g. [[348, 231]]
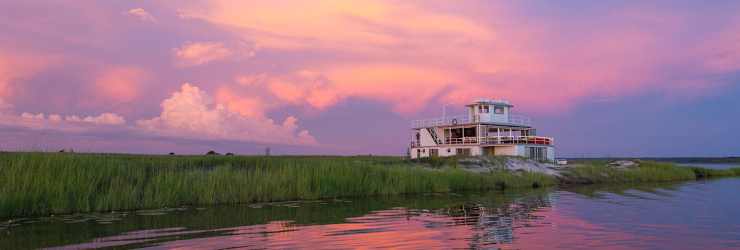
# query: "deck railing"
[[468, 119], [495, 140]]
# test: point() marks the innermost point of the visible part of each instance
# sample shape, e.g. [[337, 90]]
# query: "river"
[[702, 214]]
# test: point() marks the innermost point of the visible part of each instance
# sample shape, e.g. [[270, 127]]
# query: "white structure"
[[487, 129]]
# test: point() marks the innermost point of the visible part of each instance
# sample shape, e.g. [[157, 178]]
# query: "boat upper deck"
[[504, 120]]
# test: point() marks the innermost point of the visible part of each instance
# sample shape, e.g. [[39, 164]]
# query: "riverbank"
[[49, 183], [580, 172]]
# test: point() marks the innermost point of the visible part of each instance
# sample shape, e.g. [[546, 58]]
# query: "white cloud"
[[5, 107], [140, 12], [193, 110], [189, 114], [109, 118]]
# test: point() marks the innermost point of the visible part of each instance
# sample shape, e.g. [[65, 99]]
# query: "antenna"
[[443, 109]]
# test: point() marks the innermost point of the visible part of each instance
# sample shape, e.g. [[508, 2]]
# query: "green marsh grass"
[[600, 172], [43, 183]]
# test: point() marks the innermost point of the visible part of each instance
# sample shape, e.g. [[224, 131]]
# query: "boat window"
[[463, 151], [498, 110]]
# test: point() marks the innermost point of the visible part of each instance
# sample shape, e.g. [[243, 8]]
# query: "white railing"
[[495, 140], [467, 119]]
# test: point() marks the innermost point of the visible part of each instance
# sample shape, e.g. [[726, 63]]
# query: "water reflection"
[[657, 215]]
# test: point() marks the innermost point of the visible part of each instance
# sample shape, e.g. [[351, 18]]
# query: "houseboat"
[[487, 129]]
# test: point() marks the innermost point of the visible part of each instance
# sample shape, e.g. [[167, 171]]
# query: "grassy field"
[[43, 183]]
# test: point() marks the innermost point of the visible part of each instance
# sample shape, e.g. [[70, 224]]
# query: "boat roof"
[[502, 124], [490, 103]]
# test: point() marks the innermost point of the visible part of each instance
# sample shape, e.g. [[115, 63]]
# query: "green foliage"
[[41, 183], [601, 172], [212, 153], [735, 170]]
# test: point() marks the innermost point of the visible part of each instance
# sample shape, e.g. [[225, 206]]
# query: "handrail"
[[467, 119], [499, 140]]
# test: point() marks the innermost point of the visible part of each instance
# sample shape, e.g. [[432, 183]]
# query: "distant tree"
[[229, 153], [212, 153], [61, 151], [267, 151], [172, 153]]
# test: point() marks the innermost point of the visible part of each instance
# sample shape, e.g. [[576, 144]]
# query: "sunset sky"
[[604, 78]]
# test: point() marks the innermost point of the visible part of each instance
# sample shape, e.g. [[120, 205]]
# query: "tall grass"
[[600, 172], [40, 183]]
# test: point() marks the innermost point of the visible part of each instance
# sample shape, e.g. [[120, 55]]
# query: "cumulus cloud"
[[193, 110], [32, 116], [191, 54], [73, 118], [109, 118], [143, 15]]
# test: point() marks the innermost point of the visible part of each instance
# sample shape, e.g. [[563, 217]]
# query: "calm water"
[[701, 214], [714, 166]]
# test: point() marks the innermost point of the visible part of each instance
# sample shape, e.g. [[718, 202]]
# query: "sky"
[[604, 78]]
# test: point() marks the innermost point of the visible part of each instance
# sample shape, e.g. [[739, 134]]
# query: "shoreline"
[[57, 183]]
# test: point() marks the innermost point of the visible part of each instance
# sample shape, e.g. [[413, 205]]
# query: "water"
[[639, 215], [713, 166]]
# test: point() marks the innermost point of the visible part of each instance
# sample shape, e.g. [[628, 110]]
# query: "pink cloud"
[[193, 110], [119, 85], [17, 66], [405, 56], [32, 116], [143, 15], [395, 48], [190, 114], [303, 87], [192, 54]]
